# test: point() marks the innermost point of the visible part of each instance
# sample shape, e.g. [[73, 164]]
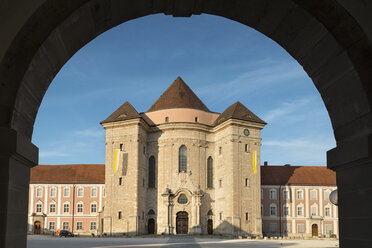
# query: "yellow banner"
[[116, 160], [254, 162]]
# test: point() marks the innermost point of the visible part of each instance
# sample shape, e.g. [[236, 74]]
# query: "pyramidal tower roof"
[[124, 112], [178, 95], [238, 111]]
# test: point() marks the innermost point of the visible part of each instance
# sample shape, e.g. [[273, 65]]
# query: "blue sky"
[[221, 60]]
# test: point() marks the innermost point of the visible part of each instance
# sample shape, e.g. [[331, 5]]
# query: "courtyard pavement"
[[39, 241]]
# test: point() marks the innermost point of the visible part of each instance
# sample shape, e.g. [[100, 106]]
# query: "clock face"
[[246, 132]]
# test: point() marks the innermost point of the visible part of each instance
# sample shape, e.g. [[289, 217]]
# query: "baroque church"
[[179, 168]]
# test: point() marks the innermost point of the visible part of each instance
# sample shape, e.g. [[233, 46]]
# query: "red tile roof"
[[124, 112], [298, 175], [178, 95], [68, 173], [238, 111]]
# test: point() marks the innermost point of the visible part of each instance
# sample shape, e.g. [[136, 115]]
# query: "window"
[[52, 208], [53, 192], [272, 210], [182, 159], [79, 225], [314, 210], [93, 192], [121, 147], [151, 212], [261, 194], [300, 195], [182, 199], [246, 216], [327, 211], [286, 228], [326, 195], [246, 147], [66, 192], [313, 195], [39, 192], [285, 210], [52, 225], [300, 228], [93, 225], [328, 228], [285, 195], [80, 192], [167, 119], [119, 215], [196, 119], [300, 211], [220, 150], [93, 208], [120, 181], [220, 183], [210, 212], [273, 227], [151, 183], [65, 225], [79, 207], [220, 215], [247, 182], [38, 207], [272, 194], [210, 173], [104, 192], [66, 207]]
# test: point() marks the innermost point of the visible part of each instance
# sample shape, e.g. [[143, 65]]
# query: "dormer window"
[[167, 119]]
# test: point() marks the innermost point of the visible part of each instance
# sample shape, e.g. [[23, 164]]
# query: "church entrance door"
[[182, 223], [314, 229], [210, 227], [37, 227], [151, 226]]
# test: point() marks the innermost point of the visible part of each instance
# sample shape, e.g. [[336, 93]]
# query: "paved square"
[[170, 242]]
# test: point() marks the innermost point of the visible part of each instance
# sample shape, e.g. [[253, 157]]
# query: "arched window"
[[151, 212], [182, 159], [210, 172], [210, 212], [182, 199], [152, 172]]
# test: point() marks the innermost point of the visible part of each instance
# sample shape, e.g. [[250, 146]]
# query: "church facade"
[[180, 168]]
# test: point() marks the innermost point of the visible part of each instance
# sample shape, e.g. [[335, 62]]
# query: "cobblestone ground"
[[170, 242]]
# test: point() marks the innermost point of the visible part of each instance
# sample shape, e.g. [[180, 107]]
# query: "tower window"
[[120, 181], [246, 147], [151, 183], [220, 150], [119, 215], [121, 147], [182, 159], [247, 182], [220, 183], [167, 119], [196, 119], [210, 172], [246, 216], [220, 215]]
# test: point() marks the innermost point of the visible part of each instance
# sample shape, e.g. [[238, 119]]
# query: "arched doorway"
[[210, 226], [182, 222], [37, 227], [314, 230], [151, 226]]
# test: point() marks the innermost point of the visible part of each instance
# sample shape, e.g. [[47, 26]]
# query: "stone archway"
[[331, 39]]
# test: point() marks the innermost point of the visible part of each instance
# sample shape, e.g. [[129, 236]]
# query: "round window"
[[182, 199]]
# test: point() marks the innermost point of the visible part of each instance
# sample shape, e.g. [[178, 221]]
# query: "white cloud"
[[90, 132], [286, 108]]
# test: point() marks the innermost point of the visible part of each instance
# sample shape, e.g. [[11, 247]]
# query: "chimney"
[[265, 163]]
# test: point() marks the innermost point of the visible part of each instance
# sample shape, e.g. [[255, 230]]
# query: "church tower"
[[180, 168]]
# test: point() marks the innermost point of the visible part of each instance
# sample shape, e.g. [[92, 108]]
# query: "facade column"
[[17, 156], [352, 161]]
